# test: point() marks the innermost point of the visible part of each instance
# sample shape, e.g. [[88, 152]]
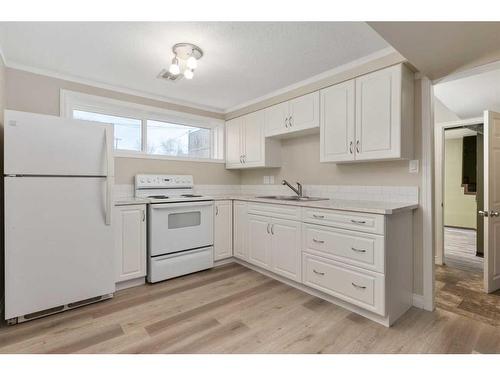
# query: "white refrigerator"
[[58, 178]]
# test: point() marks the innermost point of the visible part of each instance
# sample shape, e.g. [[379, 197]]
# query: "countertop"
[[373, 207]]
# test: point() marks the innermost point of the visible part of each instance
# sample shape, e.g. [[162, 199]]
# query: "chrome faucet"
[[297, 190]]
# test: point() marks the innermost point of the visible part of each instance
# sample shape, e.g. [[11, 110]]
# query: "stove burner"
[[158, 196], [191, 195]]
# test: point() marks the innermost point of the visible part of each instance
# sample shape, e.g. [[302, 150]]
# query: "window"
[[177, 140], [150, 132], [127, 130]]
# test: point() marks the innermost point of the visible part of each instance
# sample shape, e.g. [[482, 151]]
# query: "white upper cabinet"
[[234, 130], [337, 122], [382, 109], [246, 145], [293, 116]]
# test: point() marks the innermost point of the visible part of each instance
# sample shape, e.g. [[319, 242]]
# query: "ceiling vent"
[[165, 74]]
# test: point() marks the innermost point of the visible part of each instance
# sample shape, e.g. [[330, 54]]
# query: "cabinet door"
[[130, 242], [253, 136], [234, 152], [223, 225], [285, 248], [337, 122], [259, 240], [240, 229], [275, 119], [378, 114], [304, 112]]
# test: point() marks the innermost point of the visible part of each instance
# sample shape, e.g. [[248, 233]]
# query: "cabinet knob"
[[357, 146]]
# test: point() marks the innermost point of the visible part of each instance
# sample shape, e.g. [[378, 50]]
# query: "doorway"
[[463, 229]]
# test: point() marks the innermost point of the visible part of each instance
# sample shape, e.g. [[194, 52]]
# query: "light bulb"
[[174, 67], [188, 73], [191, 62]]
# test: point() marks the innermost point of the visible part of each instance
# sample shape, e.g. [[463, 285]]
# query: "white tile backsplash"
[[405, 194]]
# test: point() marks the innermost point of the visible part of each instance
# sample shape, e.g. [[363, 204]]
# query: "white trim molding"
[[418, 301], [116, 88], [427, 195], [71, 100], [340, 69]]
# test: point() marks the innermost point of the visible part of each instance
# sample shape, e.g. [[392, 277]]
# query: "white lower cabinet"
[[363, 260], [130, 242], [223, 229], [274, 244], [259, 241], [240, 230]]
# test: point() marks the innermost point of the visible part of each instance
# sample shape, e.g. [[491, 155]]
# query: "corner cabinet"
[[293, 116], [130, 242], [368, 118], [246, 145], [223, 228]]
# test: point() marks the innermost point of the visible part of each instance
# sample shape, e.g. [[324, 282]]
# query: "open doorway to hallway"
[[467, 166], [463, 245]]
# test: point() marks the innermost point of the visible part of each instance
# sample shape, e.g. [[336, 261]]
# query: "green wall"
[[459, 208]]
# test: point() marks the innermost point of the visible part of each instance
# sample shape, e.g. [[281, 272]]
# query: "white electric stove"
[[180, 226]]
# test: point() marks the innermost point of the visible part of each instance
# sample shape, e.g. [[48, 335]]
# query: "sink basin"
[[292, 198]]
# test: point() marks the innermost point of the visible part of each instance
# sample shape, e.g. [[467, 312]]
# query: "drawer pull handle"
[[358, 221], [318, 216], [319, 273], [358, 286], [358, 250], [318, 241]]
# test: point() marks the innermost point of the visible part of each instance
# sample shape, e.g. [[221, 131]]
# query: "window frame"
[[72, 100]]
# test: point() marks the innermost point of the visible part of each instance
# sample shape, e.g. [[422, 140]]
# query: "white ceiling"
[[468, 97], [437, 49], [242, 61]]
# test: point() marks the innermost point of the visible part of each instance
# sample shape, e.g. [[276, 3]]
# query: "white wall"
[[442, 113]]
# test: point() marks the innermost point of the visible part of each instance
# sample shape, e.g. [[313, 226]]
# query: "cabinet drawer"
[[353, 285], [370, 223], [359, 249], [280, 211]]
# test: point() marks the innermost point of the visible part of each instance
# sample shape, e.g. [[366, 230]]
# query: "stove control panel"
[[165, 181]]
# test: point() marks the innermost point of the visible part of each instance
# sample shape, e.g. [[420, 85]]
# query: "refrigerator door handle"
[[110, 173]]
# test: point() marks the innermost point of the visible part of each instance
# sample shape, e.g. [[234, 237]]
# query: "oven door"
[[182, 226]]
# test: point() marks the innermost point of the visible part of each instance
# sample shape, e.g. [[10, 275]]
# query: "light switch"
[[413, 167], [266, 180], [271, 180]]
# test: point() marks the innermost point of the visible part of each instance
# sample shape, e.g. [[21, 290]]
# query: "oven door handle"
[[189, 205]]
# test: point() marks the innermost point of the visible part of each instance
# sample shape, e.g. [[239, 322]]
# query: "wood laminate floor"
[[231, 309], [460, 248]]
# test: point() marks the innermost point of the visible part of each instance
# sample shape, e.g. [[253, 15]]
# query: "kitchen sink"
[[291, 198]]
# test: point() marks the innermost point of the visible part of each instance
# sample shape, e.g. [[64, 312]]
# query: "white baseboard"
[[418, 301]]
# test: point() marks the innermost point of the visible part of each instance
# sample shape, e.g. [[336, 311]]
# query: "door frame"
[[439, 179]]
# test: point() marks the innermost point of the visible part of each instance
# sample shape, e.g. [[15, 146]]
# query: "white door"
[[259, 240], [47, 145], [492, 201], [276, 119], [285, 249], [58, 249], [253, 154], [233, 143], [130, 242], [378, 114], [304, 112], [223, 229], [337, 122], [240, 229]]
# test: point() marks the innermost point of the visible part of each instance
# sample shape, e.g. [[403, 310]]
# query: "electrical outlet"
[[413, 166], [271, 180], [266, 180]]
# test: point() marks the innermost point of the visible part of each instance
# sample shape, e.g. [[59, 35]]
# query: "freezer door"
[[58, 248], [47, 145]]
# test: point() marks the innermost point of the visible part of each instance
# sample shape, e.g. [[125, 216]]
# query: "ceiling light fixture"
[[186, 56]]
